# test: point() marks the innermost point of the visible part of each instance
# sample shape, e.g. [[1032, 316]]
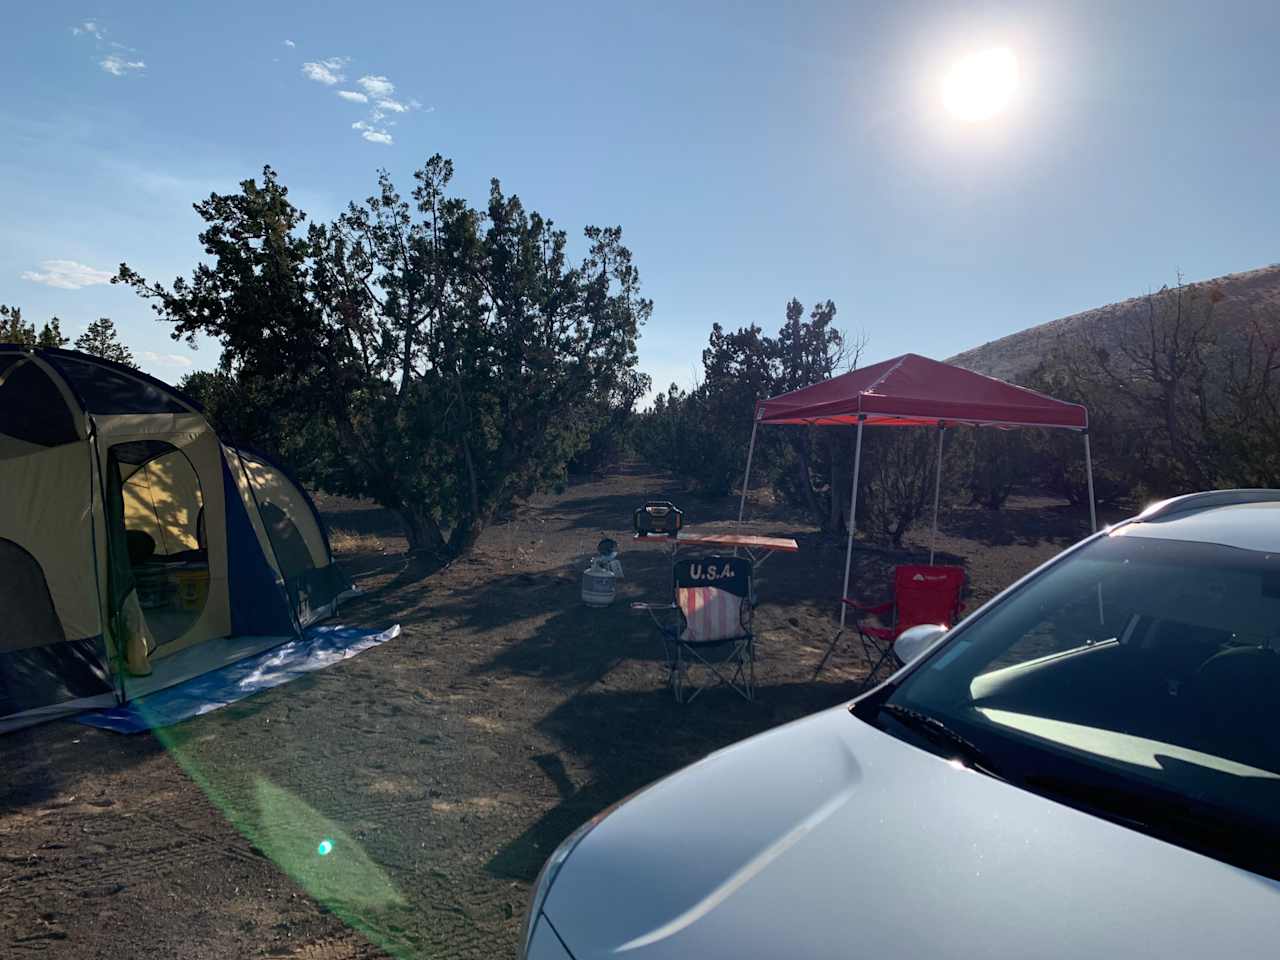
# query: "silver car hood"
[[828, 838]]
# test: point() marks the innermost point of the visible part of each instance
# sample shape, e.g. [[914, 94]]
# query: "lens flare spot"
[[317, 853]]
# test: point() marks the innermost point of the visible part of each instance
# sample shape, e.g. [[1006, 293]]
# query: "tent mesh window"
[[31, 406], [297, 537], [157, 507], [162, 499], [286, 540]]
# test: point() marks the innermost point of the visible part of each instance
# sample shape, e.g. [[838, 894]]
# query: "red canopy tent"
[[914, 391]]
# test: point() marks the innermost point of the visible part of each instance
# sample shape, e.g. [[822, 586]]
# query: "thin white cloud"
[[166, 359], [66, 275], [327, 71], [375, 89], [118, 66], [377, 86], [373, 133], [290, 43]]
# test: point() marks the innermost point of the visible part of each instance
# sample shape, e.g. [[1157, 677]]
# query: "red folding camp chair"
[[921, 594]]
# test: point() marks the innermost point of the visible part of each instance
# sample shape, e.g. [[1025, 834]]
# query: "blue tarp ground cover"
[[320, 647]]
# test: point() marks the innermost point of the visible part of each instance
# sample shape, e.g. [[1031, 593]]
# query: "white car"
[[1086, 767]]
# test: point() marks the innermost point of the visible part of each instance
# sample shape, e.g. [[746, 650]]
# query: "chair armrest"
[[868, 607]]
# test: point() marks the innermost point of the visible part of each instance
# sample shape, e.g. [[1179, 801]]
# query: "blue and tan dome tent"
[[137, 549]]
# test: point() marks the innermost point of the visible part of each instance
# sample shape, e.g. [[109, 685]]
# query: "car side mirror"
[[916, 640]]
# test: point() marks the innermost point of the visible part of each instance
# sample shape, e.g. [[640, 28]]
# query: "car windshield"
[[1138, 678]]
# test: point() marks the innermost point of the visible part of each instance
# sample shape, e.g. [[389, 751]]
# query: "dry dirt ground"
[[441, 767]]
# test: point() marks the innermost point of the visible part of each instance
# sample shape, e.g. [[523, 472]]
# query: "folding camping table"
[[763, 547]]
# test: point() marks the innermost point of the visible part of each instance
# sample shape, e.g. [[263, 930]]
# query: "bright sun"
[[981, 85]]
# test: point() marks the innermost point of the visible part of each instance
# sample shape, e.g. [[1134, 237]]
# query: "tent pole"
[[98, 501], [937, 489], [1088, 469], [746, 477], [853, 517]]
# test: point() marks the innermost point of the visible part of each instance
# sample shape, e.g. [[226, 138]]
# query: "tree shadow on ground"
[[42, 763], [364, 566], [632, 738], [890, 557], [614, 511], [620, 721], [386, 600], [573, 644], [1017, 522]]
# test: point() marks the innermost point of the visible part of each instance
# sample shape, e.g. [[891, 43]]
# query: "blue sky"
[[751, 152]]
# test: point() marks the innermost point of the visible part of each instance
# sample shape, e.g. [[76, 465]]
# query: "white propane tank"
[[600, 579]]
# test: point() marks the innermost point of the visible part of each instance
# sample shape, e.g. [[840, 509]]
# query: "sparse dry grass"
[[348, 542]]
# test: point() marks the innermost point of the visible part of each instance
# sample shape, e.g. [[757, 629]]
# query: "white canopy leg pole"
[[853, 517], [1088, 469], [746, 477], [937, 490]]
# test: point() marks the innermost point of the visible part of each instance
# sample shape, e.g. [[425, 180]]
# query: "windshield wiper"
[[972, 755]]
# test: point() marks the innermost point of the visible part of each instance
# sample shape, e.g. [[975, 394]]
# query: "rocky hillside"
[[1244, 295]]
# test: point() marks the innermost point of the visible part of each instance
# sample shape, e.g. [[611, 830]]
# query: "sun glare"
[[981, 85]]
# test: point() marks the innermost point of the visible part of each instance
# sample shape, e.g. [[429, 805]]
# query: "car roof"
[[1247, 519]]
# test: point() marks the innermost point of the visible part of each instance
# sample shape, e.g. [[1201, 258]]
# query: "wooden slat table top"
[[785, 544]]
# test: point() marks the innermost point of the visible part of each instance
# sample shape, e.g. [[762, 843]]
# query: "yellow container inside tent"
[[137, 549]]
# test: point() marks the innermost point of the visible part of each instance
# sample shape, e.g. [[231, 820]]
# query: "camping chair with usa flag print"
[[710, 642]]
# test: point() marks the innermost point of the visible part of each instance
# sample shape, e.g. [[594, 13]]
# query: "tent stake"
[[937, 489], [853, 517], [1088, 469]]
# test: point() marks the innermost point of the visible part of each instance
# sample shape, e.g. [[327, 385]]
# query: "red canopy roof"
[[912, 390]]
